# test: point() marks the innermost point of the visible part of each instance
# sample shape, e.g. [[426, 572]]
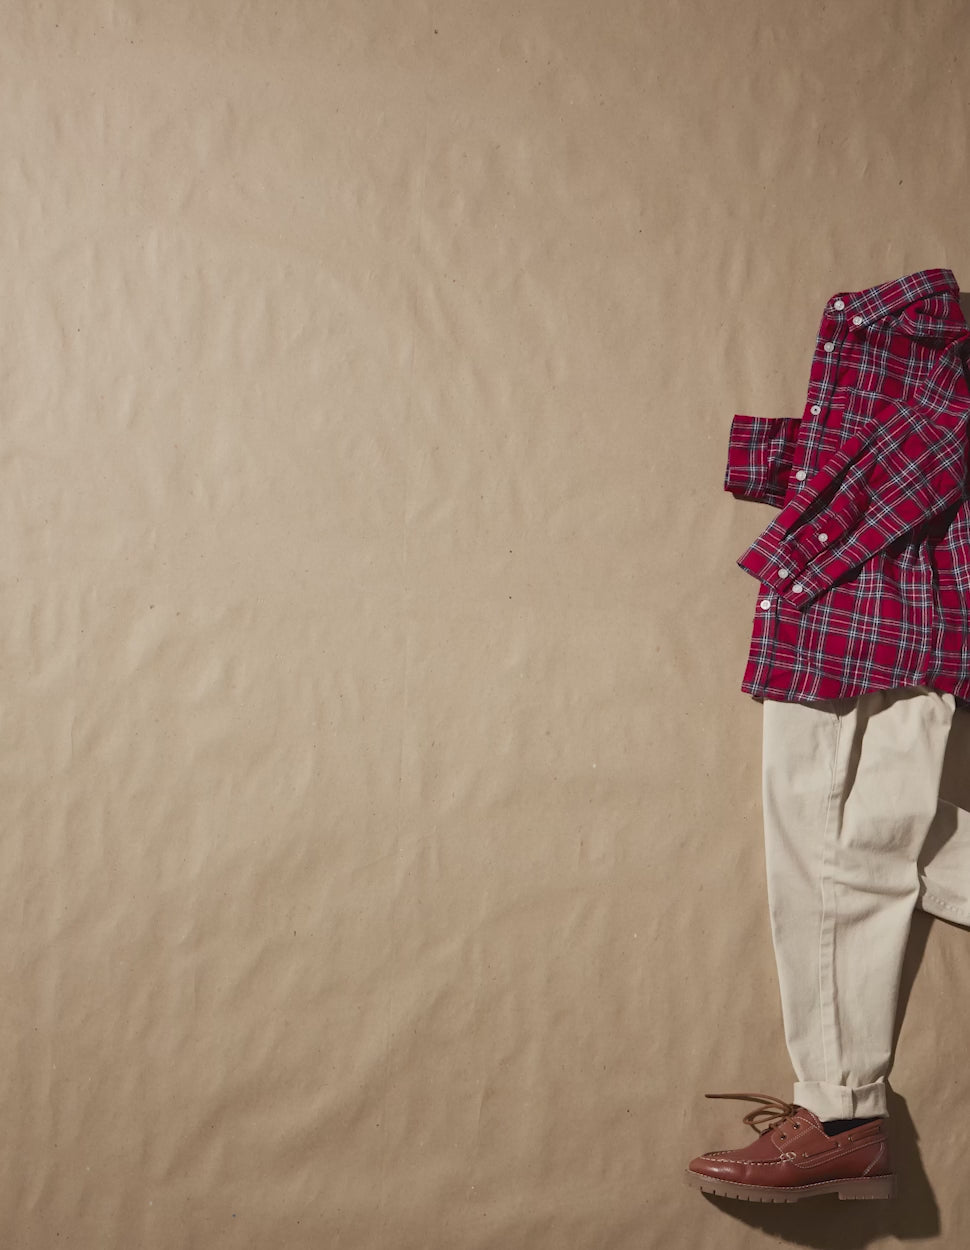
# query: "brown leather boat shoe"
[[793, 1158]]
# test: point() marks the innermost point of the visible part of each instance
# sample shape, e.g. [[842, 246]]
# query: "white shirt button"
[[823, 538], [828, 347], [798, 587], [839, 304], [857, 321], [783, 572], [815, 409], [766, 603], [801, 475]]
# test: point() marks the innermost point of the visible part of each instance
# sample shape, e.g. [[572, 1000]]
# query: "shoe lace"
[[766, 1117]]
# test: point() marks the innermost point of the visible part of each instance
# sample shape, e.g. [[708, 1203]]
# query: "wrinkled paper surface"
[[382, 860]]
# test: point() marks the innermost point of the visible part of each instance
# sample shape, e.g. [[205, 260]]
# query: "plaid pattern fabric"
[[864, 574]]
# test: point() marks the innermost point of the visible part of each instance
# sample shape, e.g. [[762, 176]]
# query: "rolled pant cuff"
[[841, 1102]]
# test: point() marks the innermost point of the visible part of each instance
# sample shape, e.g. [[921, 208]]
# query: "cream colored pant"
[[856, 836]]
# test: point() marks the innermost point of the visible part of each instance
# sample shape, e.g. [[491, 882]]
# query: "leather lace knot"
[[766, 1117]]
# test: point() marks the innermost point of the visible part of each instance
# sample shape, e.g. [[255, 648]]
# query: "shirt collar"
[[889, 297]]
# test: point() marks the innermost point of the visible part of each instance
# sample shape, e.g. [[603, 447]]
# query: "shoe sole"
[[866, 1187]]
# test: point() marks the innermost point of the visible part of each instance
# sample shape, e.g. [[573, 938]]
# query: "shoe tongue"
[[804, 1113]]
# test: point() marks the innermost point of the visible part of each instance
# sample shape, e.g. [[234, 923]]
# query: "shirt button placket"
[[828, 347]]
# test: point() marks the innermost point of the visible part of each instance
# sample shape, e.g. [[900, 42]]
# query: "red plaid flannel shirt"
[[864, 574]]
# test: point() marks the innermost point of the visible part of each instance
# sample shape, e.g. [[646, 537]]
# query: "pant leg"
[[945, 865], [945, 858], [850, 791]]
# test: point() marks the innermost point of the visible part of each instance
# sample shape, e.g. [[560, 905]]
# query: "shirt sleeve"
[[760, 455], [908, 463]]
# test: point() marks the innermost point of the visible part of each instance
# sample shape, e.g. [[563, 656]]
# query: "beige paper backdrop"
[[381, 860]]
